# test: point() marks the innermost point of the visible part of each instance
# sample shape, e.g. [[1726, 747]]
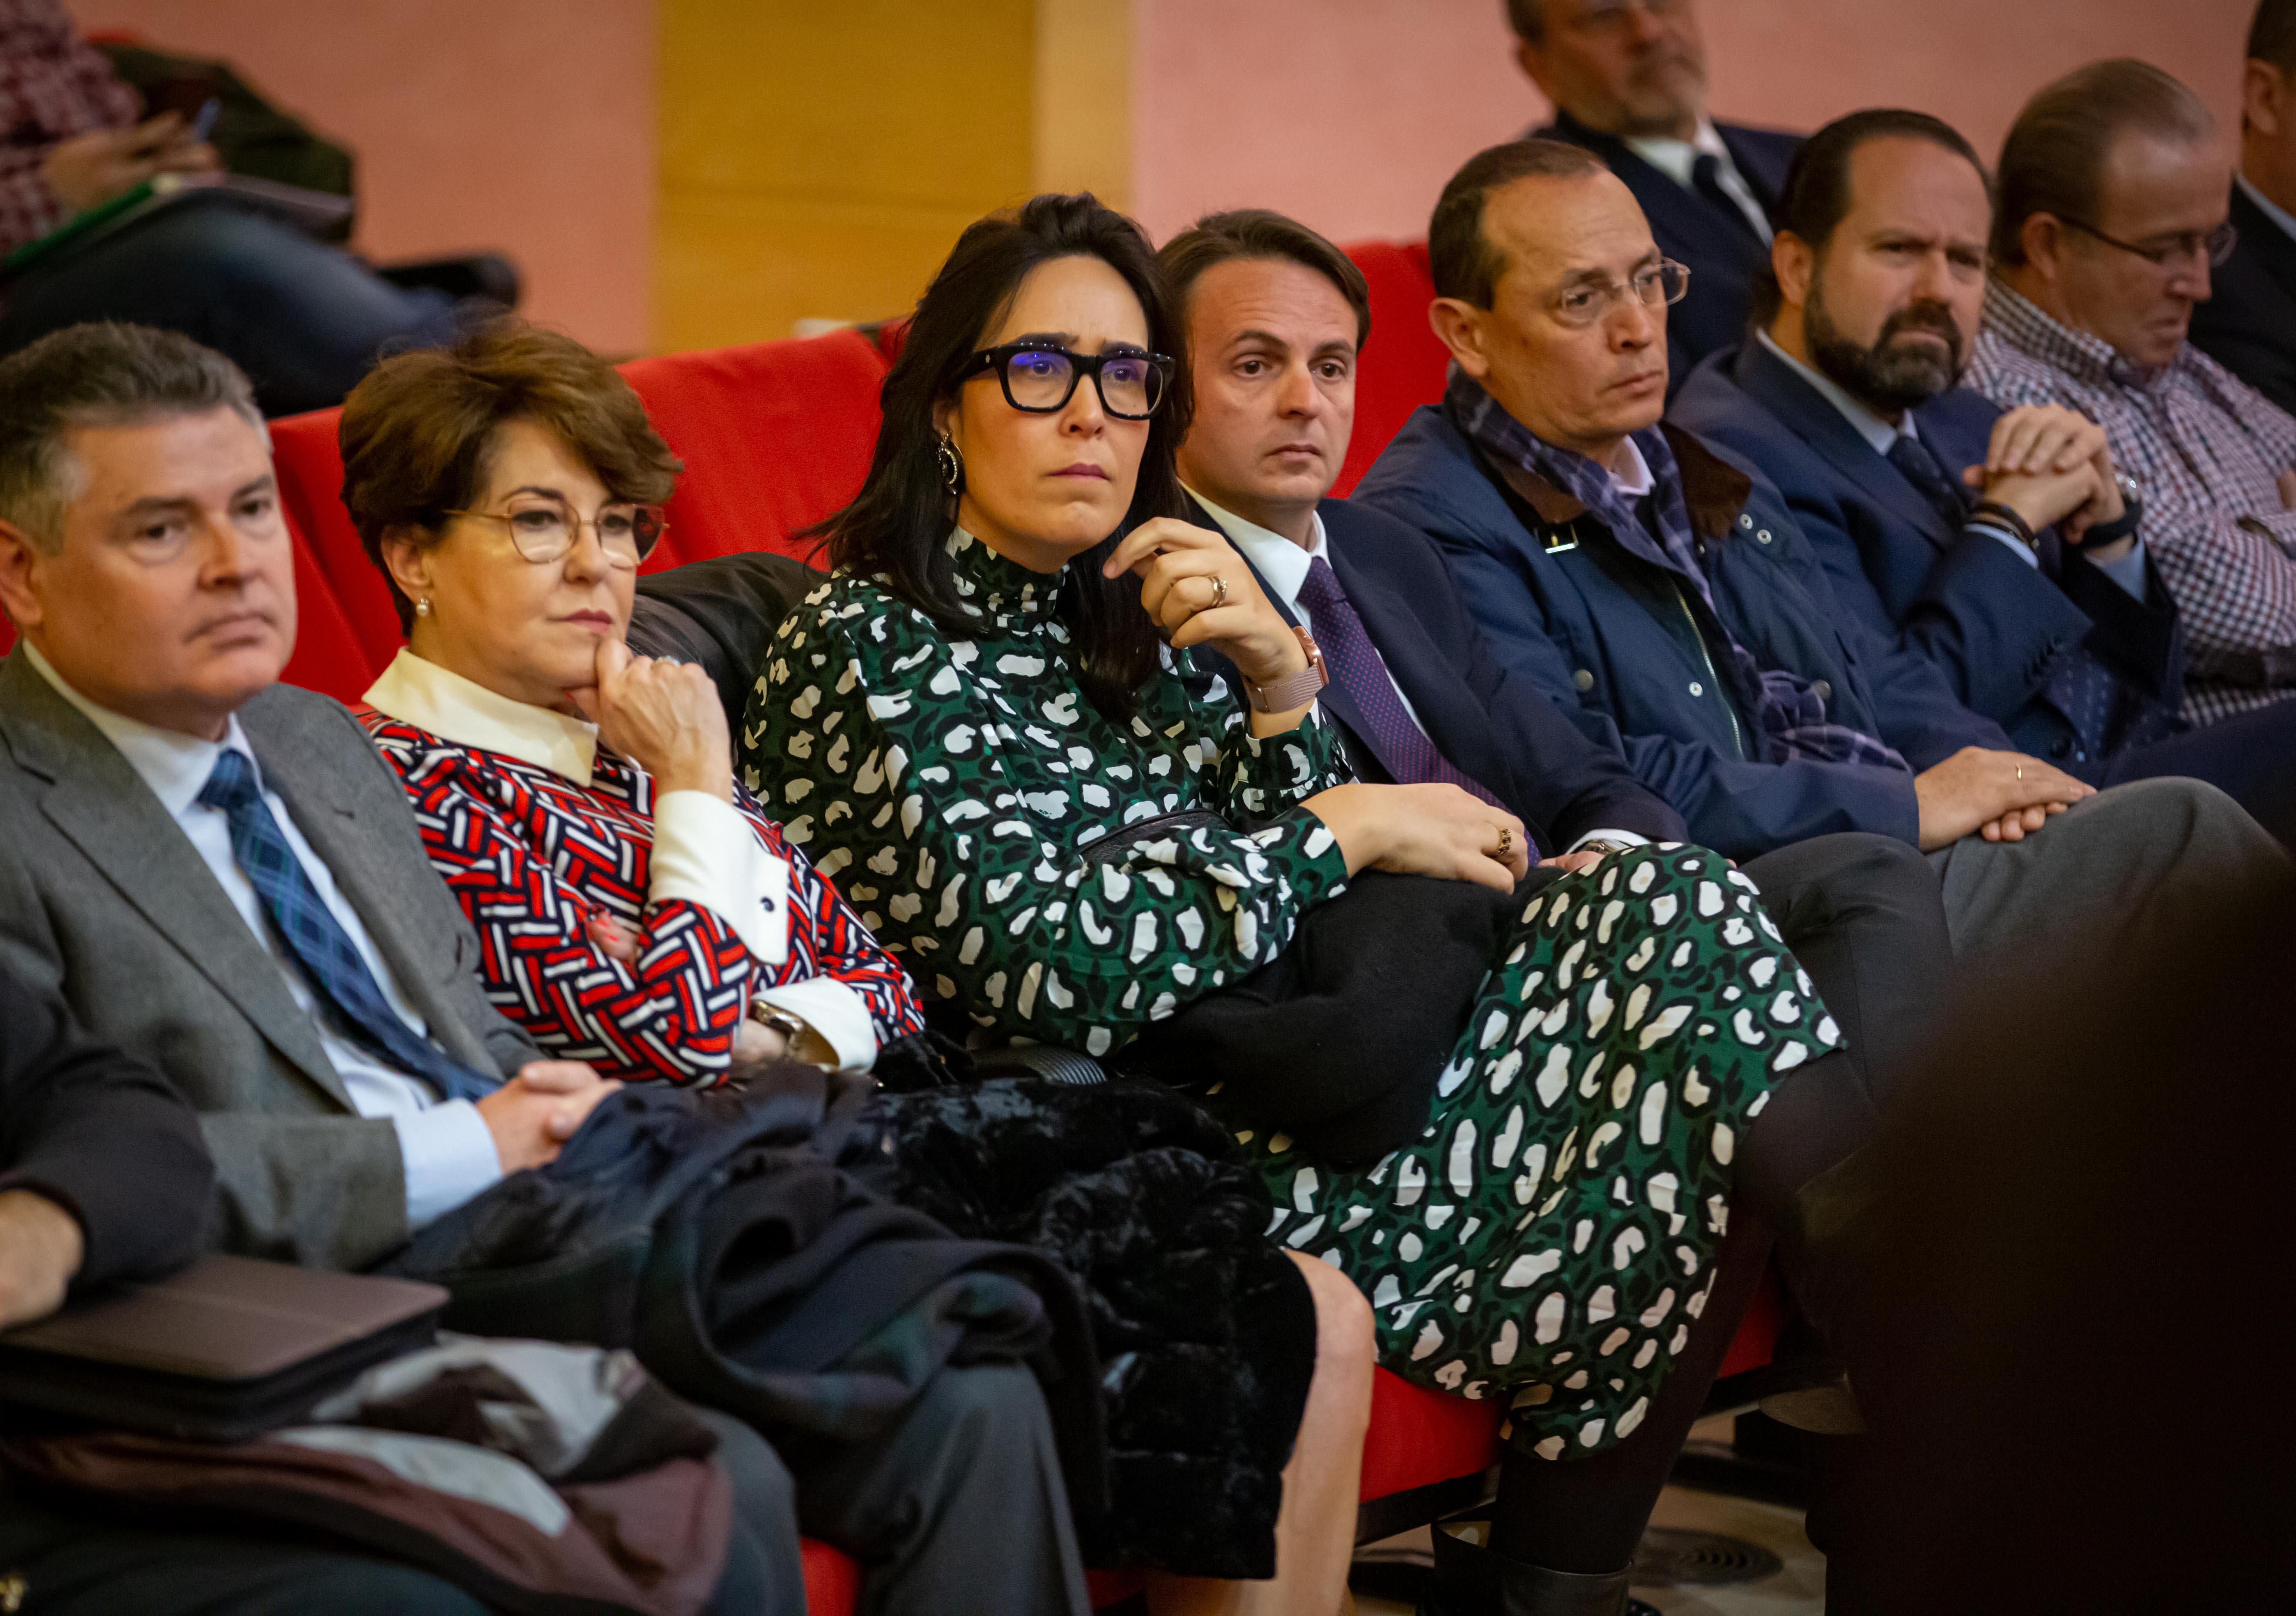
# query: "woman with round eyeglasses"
[[638, 910], [991, 716]]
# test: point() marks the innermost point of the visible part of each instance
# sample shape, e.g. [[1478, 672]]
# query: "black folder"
[[226, 1349]]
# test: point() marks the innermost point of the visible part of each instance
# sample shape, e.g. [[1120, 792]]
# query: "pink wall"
[[522, 125], [1351, 113]]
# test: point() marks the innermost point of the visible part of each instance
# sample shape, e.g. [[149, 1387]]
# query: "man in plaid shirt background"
[[2113, 211]]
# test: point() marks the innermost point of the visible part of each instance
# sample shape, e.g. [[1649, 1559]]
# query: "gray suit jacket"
[[104, 899]]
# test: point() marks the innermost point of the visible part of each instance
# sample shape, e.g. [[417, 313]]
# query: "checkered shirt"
[[53, 86], [2206, 451]]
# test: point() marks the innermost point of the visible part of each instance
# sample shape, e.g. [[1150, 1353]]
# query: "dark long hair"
[[894, 531]]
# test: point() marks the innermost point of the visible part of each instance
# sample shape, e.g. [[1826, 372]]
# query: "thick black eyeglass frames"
[[1041, 377]]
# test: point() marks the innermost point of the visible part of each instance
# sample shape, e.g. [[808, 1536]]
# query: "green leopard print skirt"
[[1549, 1239]]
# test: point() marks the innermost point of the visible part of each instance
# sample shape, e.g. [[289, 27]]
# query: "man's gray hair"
[[107, 375]]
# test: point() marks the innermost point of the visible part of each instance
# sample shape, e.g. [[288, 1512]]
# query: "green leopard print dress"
[[1550, 1237]]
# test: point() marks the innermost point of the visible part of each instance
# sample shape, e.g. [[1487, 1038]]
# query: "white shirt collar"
[[459, 710], [1633, 479], [1676, 158], [175, 766], [1870, 426], [1283, 563], [2265, 205]]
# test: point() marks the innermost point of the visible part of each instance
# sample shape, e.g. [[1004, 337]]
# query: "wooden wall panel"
[[817, 161]]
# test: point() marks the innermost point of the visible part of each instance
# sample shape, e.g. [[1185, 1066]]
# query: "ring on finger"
[[1506, 840], [1219, 592]]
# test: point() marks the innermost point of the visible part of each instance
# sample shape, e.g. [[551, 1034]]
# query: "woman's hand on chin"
[[1177, 565], [1424, 829], [663, 716]]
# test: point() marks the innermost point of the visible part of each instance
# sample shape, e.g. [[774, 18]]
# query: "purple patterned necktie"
[[1356, 667]]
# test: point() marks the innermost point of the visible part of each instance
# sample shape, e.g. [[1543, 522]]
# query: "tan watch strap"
[[1297, 691]]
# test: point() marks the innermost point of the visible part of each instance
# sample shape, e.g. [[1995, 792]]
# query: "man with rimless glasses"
[[2112, 213]]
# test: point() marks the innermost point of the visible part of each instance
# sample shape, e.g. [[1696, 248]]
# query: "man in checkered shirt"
[[303, 320], [2111, 211]]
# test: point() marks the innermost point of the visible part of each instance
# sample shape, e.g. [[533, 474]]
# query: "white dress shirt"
[[448, 1153], [1285, 565], [2128, 571], [1677, 160], [703, 852]]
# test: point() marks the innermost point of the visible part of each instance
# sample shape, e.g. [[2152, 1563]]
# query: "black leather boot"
[[1471, 1580]]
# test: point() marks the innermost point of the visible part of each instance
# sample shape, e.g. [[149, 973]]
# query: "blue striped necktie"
[[318, 941]]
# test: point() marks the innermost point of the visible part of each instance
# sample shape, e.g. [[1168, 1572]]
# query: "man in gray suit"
[[157, 608], [220, 875]]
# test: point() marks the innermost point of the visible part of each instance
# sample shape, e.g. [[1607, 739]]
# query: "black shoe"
[[1471, 1580]]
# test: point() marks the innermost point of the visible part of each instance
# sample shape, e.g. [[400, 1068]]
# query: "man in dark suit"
[[2248, 324], [2028, 587], [1662, 593], [220, 875], [1627, 79]]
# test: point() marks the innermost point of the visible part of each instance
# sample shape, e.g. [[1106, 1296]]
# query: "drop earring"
[[952, 465], [422, 607]]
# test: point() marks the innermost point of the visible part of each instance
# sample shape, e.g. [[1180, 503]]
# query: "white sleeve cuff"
[[839, 1014], [449, 1155], [1626, 837], [705, 852], [2128, 571], [2018, 547]]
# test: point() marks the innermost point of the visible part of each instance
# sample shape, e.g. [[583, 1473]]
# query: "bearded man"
[[2004, 547]]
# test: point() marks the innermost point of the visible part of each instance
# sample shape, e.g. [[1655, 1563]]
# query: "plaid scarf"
[[1789, 716]]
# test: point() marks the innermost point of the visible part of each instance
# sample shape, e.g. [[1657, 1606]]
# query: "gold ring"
[[2021, 771], [1506, 841], [1219, 592]]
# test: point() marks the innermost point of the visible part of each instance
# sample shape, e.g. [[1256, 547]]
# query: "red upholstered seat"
[[833, 1582], [1402, 363], [774, 435]]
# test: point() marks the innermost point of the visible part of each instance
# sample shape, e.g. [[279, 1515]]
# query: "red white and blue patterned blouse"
[[538, 831]]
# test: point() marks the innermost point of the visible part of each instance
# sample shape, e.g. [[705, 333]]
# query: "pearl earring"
[[422, 607]]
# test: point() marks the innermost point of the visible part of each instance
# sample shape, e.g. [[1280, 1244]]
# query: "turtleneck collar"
[[1005, 592]]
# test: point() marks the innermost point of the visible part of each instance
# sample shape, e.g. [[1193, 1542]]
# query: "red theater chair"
[[776, 435]]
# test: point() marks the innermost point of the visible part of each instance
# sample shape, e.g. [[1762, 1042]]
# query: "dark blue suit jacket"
[[1612, 639], [1492, 725], [1725, 256], [2248, 325], [1991, 623]]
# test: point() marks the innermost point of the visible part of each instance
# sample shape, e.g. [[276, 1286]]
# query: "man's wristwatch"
[[2132, 512], [1297, 691]]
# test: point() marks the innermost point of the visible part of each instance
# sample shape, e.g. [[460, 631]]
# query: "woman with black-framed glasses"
[[991, 716]]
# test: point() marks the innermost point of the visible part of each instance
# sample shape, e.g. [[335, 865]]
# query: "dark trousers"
[[958, 1507], [1864, 916], [2251, 757], [303, 320]]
